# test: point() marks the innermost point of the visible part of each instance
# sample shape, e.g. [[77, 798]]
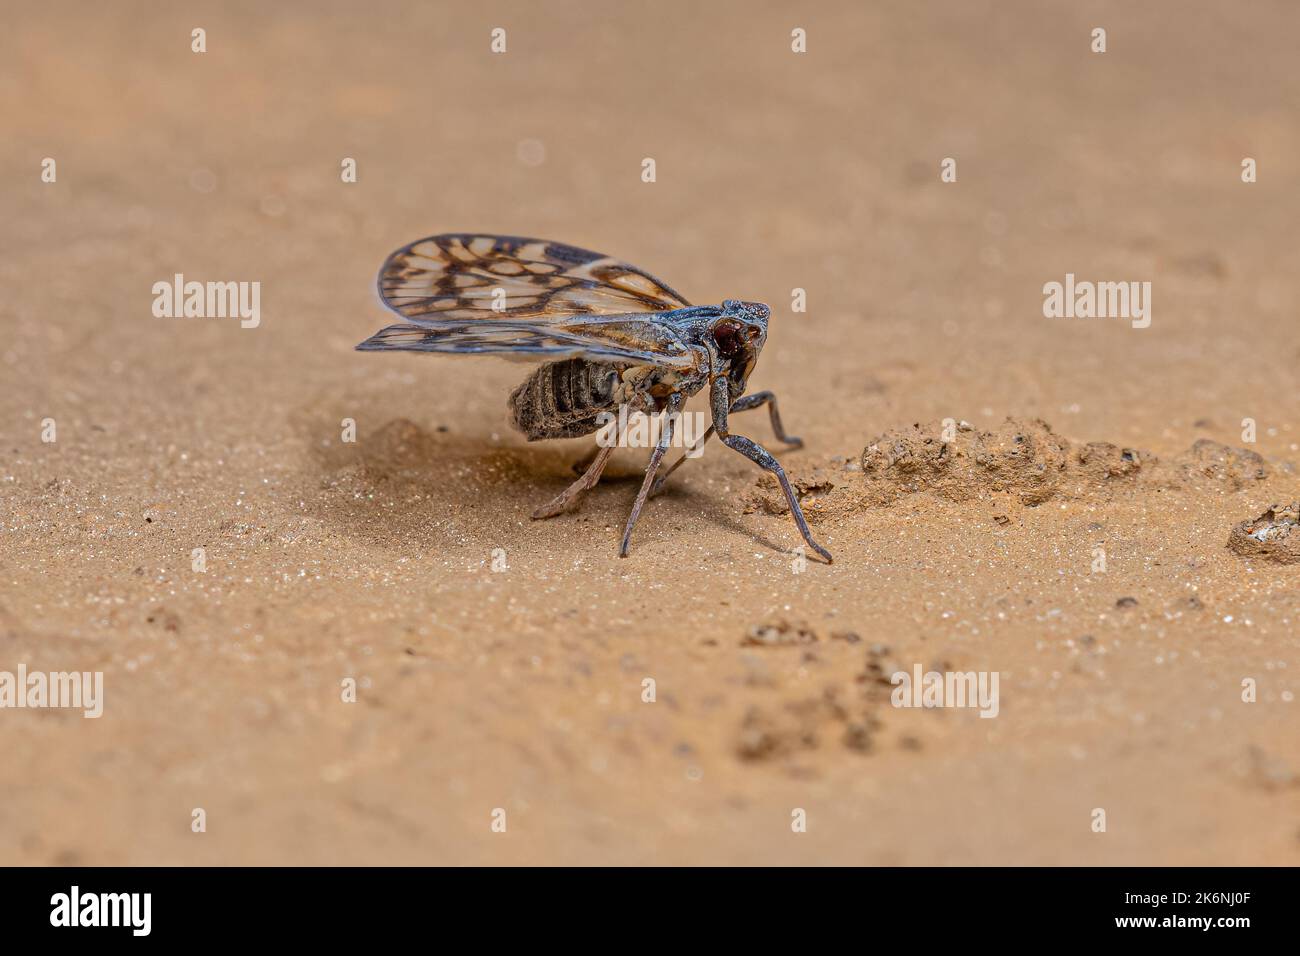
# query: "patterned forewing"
[[462, 277]]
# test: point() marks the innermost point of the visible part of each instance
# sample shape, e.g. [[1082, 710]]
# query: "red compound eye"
[[728, 336]]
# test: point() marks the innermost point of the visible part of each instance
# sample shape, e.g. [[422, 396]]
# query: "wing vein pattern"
[[527, 298]]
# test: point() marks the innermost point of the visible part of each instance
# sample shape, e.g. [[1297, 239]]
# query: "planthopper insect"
[[610, 335]]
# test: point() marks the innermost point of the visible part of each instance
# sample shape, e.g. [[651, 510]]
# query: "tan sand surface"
[[522, 689]]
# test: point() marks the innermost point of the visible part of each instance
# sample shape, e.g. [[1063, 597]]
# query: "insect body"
[[565, 399], [610, 335]]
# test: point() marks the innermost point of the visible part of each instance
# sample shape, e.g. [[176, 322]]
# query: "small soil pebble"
[[1274, 535]]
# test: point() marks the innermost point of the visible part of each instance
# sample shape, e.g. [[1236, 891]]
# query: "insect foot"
[[763, 458]]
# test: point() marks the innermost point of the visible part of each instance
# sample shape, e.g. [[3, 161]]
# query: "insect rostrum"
[[610, 334]]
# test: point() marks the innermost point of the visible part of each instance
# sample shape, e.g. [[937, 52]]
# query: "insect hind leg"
[[580, 466], [570, 496]]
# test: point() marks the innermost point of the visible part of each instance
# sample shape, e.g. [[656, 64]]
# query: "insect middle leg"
[[571, 495], [742, 404], [720, 405], [657, 456]]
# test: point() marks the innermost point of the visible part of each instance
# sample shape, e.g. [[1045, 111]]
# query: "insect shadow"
[[403, 485]]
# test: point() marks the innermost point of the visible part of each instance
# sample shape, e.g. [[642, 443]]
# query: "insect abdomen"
[[563, 399]]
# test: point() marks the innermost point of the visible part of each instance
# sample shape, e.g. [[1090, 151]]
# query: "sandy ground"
[[522, 689]]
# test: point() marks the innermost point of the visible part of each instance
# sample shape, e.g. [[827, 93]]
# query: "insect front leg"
[[571, 495], [720, 403], [742, 404], [665, 438], [759, 399]]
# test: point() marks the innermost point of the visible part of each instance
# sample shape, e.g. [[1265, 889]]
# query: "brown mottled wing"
[[460, 277]]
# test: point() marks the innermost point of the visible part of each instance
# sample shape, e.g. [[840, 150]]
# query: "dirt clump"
[[1274, 535], [1026, 459], [812, 485], [782, 633], [801, 725], [1210, 463], [960, 462]]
